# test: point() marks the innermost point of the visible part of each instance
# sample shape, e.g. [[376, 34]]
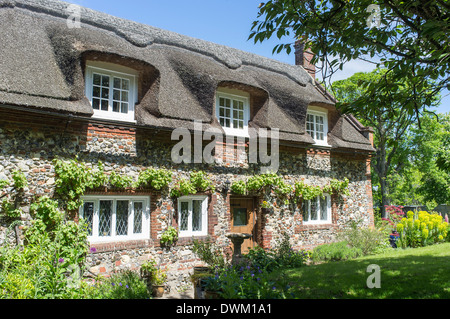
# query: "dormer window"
[[112, 90], [233, 111], [317, 125]]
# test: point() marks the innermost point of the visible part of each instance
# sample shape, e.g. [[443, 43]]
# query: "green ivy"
[[74, 178], [154, 178], [198, 182], [9, 205], [258, 183], [169, 237]]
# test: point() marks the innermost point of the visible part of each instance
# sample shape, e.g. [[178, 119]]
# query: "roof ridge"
[[143, 35]]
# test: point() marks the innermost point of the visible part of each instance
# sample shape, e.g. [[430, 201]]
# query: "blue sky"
[[226, 22]]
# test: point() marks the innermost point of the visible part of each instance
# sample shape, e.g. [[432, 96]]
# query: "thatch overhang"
[[43, 61]]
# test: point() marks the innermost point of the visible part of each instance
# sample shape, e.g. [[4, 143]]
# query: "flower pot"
[[157, 290], [197, 279]]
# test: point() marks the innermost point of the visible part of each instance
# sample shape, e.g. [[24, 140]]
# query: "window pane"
[[221, 101], [96, 104], [313, 209], [96, 79], [116, 95], [305, 210], [197, 215], [96, 91], [125, 96], [138, 211], [105, 80], [105, 105], [124, 108], [184, 215], [117, 83], [323, 208], [239, 216], [105, 214], [105, 93], [88, 215], [228, 103], [116, 106], [122, 217], [125, 84]]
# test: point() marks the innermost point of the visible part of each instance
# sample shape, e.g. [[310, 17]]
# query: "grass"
[[414, 273]]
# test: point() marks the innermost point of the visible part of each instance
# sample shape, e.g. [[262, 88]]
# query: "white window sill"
[[127, 119]]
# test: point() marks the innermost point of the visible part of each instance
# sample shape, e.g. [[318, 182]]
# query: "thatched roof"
[[42, 67]]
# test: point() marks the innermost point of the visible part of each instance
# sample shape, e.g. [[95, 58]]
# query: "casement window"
[[233, 112], [116, 217], [317, 126], [193, 216], [112, 90], [317, 210]]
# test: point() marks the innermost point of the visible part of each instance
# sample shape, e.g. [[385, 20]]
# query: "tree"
[[410, 38], [430, 154], [386, 116]]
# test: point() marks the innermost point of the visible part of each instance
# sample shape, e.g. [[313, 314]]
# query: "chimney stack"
[[303, 57]]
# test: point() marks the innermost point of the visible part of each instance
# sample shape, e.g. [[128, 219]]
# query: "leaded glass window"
[[138, 211], [192, 215], [105, 218], [116, 218], [184, 216], [196, 215], [88, 216], [122, 207]]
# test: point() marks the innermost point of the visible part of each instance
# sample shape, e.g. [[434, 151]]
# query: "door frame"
[[253, 199]]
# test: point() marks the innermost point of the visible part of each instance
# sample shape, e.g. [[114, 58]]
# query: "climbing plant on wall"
[[197, 182], [300, 190], [10, 204]]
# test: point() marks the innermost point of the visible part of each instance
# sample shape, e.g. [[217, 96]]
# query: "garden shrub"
[[51, 261], [421, 228], [367, 240], [252, 277], [125, 284], [335, 251]]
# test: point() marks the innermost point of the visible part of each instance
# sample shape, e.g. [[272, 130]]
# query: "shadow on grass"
[[401, 277]]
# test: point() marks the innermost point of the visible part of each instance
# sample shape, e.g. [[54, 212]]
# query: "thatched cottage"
[[105, 89]]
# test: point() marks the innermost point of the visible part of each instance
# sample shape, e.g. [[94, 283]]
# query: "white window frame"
[[316, 112], [112, 70], [318, 220], [237, 96], [95, 237], [189, 232]]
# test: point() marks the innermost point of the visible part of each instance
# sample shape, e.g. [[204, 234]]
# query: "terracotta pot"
[[157, 290]]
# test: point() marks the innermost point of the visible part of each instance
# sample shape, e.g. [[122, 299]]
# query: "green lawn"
[[419, 273]]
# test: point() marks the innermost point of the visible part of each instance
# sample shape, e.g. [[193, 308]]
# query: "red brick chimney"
[[303, 57]]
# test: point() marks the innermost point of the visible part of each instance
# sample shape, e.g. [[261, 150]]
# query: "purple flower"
[[120, 284], [127, 286], [93, 250], [61, 260]]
